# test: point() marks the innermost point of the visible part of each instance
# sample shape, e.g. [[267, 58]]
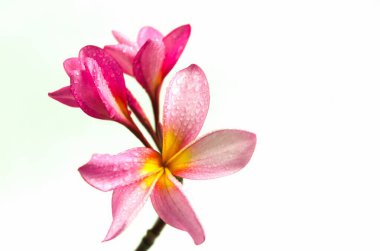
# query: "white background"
[[302, 75]]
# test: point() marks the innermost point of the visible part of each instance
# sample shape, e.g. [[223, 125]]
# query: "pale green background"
[[303, 75]]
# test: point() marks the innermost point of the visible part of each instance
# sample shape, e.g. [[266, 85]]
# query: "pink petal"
[[90, 84], [106, 172], [110, 70], [122, 39], [115, 106], [72, 66], [215, 155], [86, 94], [127, 201], [175, 43], [173, 207], [148, 33], [64, 96], [124, 55], [108, 80], [185, 108], [147, 65]]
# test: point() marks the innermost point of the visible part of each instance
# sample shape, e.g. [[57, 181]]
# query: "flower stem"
[[141, 137], [140, 114], [136, 131], [151, 235], [156, 111]]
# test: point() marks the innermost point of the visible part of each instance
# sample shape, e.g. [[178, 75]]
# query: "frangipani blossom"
[[151, 58], [140, 173], [97, 86]]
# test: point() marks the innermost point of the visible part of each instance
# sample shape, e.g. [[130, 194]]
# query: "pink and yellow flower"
[[140, 173], [152, 57]]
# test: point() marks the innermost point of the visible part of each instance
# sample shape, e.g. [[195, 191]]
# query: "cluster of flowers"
[[97, 87]]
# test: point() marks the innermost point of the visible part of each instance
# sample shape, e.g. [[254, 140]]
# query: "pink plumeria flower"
[[140, 173], [152, 57], [96, 86]]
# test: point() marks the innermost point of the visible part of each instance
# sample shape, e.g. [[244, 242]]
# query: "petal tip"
[[72, 66], [115, 33], [64, 96], [186, 28], [90, 51], [109, 236], [114, 231], [252, 136], [194, 67], [84, 172], [200, 240]]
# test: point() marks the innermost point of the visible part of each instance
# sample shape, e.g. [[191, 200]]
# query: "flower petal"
[[122, 39], [185, 108], [109, 81], [148, 33], [175, 43], [64, 96], [117, 110], [86, 94], [106, 172], [127, 201], [110, 71], [173, 207], [97, 84], [147, 65], [215, 155], [124, 55], [72, 66]]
